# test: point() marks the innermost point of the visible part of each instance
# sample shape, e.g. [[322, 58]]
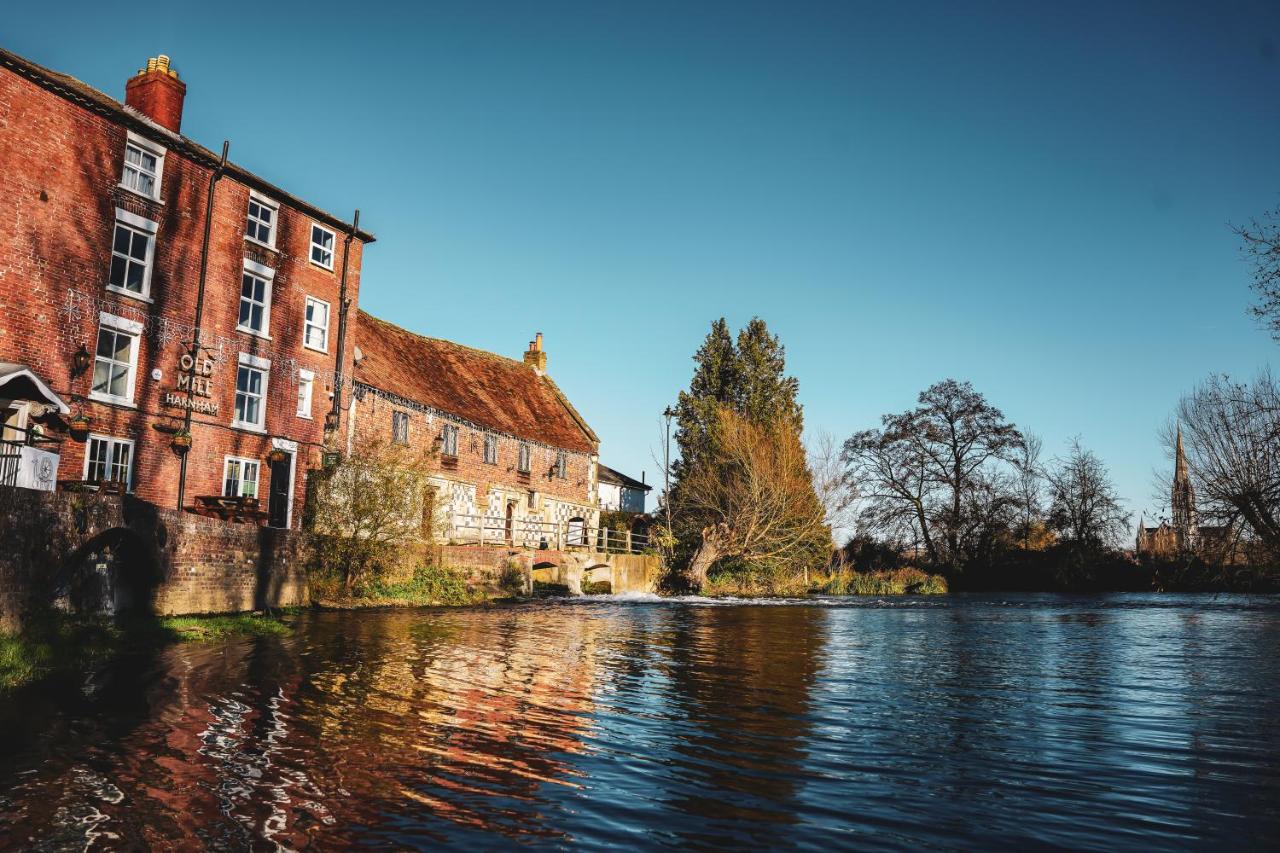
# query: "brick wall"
[[494, 484], [60, 190], [160, 560]]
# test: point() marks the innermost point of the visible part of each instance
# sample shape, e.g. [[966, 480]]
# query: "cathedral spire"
[[1180, 474], [1183, 499]]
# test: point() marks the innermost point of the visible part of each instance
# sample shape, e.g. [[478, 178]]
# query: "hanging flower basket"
[[181, 442], [79, 424], [276, 455]]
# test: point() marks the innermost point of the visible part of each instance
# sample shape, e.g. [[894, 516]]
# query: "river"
[[946, 722]]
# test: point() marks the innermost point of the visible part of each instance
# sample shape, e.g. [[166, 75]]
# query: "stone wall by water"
[[114, 553]]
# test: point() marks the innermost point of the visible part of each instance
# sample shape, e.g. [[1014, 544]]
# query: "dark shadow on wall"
[[267, 585]]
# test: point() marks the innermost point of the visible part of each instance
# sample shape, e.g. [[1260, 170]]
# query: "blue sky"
[[1036, 198]]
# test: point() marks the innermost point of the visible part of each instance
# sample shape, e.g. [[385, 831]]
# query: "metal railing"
[[12, 441], [467, 528]]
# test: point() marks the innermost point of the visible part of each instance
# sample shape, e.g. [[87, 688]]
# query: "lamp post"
[[668, 414]]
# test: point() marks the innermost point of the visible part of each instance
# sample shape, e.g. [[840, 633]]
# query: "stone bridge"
[[571, 567]]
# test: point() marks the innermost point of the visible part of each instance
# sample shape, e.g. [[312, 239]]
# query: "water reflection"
[[964, 721]]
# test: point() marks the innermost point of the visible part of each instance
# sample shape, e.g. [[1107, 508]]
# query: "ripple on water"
[[1005, 721]]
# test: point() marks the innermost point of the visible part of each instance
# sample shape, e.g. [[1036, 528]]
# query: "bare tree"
[[755, 487], [933, 466], [1029, 486], [371, 509], [1231, 436], [893, 487], [832, 486], [1085, 507], [1262, 249]]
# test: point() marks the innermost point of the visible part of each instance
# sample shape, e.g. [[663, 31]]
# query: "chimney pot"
[[536, 357], [157, 93]]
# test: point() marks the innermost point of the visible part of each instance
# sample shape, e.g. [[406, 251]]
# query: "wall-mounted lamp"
[[80, 361]]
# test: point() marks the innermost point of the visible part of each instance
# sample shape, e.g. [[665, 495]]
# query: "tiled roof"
[[610, 475], [90, 98], [488, 390]]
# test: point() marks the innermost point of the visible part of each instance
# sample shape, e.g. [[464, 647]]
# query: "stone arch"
[[597, 572], [114, 572]]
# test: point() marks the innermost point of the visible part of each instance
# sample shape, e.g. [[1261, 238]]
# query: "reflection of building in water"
[[464, 720]]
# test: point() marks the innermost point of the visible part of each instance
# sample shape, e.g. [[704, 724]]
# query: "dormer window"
[[143, 164]]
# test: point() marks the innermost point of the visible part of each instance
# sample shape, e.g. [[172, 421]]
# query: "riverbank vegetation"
[[371, 514], [426, 585], [951, 488]]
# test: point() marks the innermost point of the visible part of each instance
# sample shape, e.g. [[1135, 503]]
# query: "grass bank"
[[907, 581], [55, 643], [427, 586]]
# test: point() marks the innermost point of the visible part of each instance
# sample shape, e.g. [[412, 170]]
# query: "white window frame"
[[110, 441], [524, 459], [306, 324], [134, 222], [264, 366], [307, 380], [490, 443], [274, 207], [240, 478], [313, 245], [121, 326], [151, 148], [268, 275], [562, 465]]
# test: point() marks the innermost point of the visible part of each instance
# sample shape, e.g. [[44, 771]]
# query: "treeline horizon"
[[953, 486]]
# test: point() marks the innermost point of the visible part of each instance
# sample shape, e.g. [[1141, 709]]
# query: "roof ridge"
[[477, 350]]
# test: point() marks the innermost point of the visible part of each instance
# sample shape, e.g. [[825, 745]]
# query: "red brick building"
[[103, 274], [516, 462]]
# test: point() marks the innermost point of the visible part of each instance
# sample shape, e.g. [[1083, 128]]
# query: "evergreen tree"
[[749, 379], [764, 391]]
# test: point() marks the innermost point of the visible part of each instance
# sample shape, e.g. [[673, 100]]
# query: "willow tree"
[[1261, 248], [746, 377], [1232, 433], [754, 492]]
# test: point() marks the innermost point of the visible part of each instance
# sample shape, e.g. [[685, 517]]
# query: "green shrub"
[[904, 581], [430, 585]]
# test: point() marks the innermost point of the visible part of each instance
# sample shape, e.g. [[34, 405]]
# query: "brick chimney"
[[157, 93], [536, 357]]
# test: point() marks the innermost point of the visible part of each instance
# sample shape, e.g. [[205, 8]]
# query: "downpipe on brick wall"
[[195, 342], [335, 412]]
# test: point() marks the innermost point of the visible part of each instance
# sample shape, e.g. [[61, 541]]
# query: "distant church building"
[[1182, 536]]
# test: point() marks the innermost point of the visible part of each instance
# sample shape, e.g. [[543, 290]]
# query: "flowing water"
[[1017, 721]]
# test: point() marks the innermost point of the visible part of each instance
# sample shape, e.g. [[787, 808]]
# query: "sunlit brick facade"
[[100, 265], [513, 459]]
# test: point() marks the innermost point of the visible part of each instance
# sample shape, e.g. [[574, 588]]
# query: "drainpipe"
[[195, 335], [335, 413]]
